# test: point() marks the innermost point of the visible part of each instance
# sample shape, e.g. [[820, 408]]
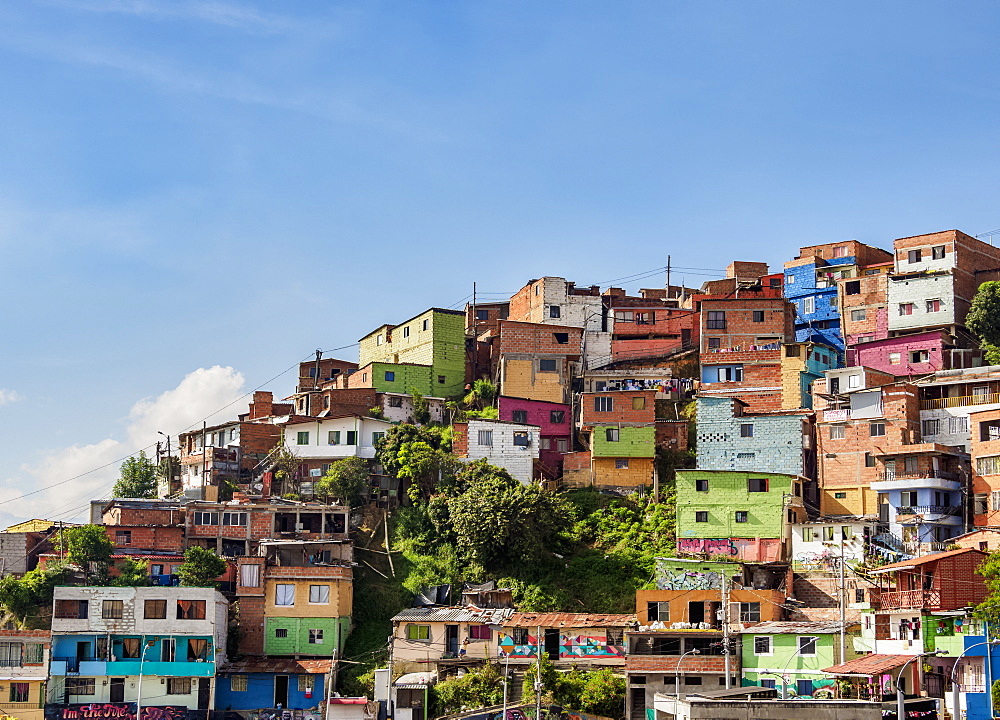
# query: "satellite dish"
[[258, 487]]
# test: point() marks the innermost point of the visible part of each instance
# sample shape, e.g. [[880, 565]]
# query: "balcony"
[[906, 599], [961, 401], [926, 475], [96, 668], [949, 510]]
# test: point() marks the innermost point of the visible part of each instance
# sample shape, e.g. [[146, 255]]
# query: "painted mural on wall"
[[117, 711], [746, 549], [569, 646], [670, 577]]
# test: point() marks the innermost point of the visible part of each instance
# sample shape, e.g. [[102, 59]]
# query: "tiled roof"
[[793, 628], [278, 665], [568, 620], [491, 616], [916, 562], [873, 664]]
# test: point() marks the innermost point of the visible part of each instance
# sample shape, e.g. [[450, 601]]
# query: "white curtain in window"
[[319, 594], [284, 595], [250, 575]]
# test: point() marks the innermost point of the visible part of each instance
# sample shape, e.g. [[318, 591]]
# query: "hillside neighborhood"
[[776, 495]]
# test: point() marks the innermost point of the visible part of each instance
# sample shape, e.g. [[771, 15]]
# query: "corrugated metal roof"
[[916, 562], [279, 665], [873, 664], [793, 628], [490, 616], [568, 620]]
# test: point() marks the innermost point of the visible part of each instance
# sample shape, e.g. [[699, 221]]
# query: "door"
[[685, 337], [205, 691], [890, 469], [117, 690], [451, 639], [281, 691], [696, 612], [552, 643]]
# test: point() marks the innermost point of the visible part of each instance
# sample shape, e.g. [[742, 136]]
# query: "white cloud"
[[207, 393], [8, 396]]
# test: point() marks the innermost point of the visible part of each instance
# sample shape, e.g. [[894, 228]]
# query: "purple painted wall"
[[876, 354], [540, 414]]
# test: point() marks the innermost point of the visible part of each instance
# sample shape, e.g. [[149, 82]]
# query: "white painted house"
[[334, 438], [398, 407], [512, 446]]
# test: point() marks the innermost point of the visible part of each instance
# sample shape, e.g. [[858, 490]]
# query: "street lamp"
[[506, 679], [900, 700], [954, 686], [677, 671], [784, 670], [138, 697]]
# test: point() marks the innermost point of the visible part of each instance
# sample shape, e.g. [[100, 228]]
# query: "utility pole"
[[725, 626], [390, 705], [668, 276], [319, 354], [474, 319], [842, 595], [538, 678]]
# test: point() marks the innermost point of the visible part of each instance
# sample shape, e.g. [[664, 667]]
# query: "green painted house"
[[625, 441], [794, 654], [715, 504]]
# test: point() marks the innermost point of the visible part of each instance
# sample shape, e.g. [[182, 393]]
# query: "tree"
[[25, 598], [137, 478], [603, 694], [89, 547], [480, 395], [427, 468], [346, 480], [474, 689], [984, 319], [132, 573], [201, 568], [421, 408], [388, 447]]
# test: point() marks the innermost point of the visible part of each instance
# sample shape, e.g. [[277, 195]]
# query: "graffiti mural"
[[583, 645], [117, 711], [746, 549], [671, 577]]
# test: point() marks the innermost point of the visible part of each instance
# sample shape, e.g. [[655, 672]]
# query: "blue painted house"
[[272, 683]]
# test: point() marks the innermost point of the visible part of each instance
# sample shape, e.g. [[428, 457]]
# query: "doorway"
[[696, 612], [552, 643], [281, 690], [116, 691], [205, 691], [451, 639]]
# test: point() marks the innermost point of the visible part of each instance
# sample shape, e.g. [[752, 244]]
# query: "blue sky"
[[219, 188]]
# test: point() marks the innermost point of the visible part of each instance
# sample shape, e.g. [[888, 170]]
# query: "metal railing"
[[904, 599], [960, 401], [928, 510], [925, 475]]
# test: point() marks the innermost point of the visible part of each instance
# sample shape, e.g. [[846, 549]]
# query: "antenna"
[[988, 235]]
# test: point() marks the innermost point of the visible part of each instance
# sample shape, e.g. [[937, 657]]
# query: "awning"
[[869, 665]]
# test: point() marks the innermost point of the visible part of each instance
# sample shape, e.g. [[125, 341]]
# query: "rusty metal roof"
[[568, 620], [486, 616], [794, 628], [874, 664], [916, 562], [278, 665]]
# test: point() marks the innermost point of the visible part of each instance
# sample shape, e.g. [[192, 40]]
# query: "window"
[[937, 252], [234, 519], [919, 356], [315, 636], [190, 609], [913, 256], [112, 609], [284, 594], [701, 516], [306, 683], [319, 594], [853, 287], [846, 532], [714, 343], [638, 403], [406, 330], [895, 358], [808, 534], [762, 645], [840, 496], [749, 612], [250, 575], [621, 463], [480, 632], [828, 533], [623, 316], [10, 654], [522, 439], [390, 376], [19, 692], [520, 416], [838, 432], [557, 417], [418, 632], [876, 429], [123, 537], [302, 438], [441, 380], [701, 485], [156, 609], [979, 504], [561, 338], [352, 437], [396, 402], [378, 339], [423, 325], [933, 306], [789, 279], [178, 686], [692, 680], [281, 632], [482, 314], [603, 404], [716, 320], [519, 636], [555, 311], [742, 516], [858, 315], [908, 498], [80, 686], [906, 308], [995, 498], [807, 645], [746, 430], [376, 436], [731, 374], [485, 438], [611, 434], [757, 485], [989, 465], [931, 427], [758, 316], [958, 424], [34, 654], [547, 365], [808, 306], [333, 436], [206, 518], [238, 683], [658, 610]]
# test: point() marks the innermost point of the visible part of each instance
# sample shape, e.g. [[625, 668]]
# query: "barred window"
[[19, 692], [34, 654], [750, 612], [178, 686], [989, 465], [80, 686], [10, 654], [238, 683], [306, 682], [486, 437]]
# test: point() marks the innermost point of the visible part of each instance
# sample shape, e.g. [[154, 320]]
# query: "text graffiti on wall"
[[748, 549], [100, 711]]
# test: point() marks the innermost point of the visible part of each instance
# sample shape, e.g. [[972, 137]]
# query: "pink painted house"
[[555, 425], [917, 354]]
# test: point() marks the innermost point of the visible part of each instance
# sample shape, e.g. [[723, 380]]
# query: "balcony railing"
[[904, 599], [925, 475], [961, 401], [928, 510]]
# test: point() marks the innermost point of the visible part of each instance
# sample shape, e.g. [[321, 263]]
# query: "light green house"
[[715, 504], [794, 654], [625, 441]]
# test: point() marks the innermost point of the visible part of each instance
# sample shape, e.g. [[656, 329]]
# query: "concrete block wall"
[[741, 330], [520, 377], [637, 442], [727, 493], [776, 442], [606, 472], [539, 413], [515, 459], [893, 355], [917, 291], [296, 640], [872, 296], [160, 539], [539, 339]]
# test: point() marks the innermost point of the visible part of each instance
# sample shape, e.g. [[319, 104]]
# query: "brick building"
[[649, 326], [622, 429], [984, 447], [225, 455], [537, 361], [314, 374], [146, 525]]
